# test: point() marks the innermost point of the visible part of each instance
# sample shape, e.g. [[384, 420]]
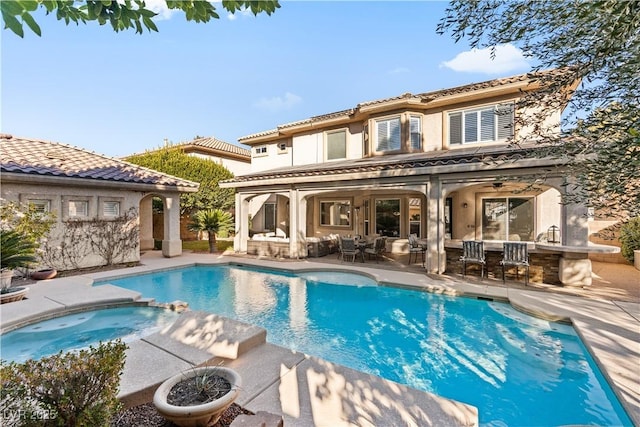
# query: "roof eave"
[[19, 177]]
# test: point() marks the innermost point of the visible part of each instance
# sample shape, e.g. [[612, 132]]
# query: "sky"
[[123, 93]]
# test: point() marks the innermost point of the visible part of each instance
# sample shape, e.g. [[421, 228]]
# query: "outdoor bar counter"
[[550, 263]]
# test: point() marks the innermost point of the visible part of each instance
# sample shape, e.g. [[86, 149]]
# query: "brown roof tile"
[[486, 154], [216, 144], [37, 157]]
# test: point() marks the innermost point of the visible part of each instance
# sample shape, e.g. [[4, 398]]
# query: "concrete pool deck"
[[310, 391]]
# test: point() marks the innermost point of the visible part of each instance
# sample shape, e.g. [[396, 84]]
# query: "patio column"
[[242, 223], [575, 267], [436, 258], [146, 223], [172, 245], [297, 224]]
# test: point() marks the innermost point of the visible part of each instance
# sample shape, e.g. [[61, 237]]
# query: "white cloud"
[[508, 58], [278, 103], [239, 13], [160, 7]]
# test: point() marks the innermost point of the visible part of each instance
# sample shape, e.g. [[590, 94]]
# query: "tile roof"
[[45, 158], [218, 145], [458, 156], [423, 98]]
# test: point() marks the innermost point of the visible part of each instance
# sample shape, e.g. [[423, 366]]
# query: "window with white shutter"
[[505, 120], [487, 125], [494, 123], [471, 126], [111, 209], [415, 125], [388, 134], [455, 128]]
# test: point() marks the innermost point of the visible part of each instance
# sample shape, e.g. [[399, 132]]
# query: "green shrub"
[[67, 389], [630, 238]]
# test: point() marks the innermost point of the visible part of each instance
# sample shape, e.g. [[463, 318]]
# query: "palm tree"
[[213, 221], [16, 251]]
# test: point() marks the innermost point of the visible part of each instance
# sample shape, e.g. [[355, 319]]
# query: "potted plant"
[[16, 251], [198, 397]]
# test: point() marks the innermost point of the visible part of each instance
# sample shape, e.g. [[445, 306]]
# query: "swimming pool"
[[80, 330], [518, 370]]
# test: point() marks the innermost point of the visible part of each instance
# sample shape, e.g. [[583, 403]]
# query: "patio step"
[[214, 335]]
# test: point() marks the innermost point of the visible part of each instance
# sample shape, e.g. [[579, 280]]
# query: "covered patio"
[[494, 194]]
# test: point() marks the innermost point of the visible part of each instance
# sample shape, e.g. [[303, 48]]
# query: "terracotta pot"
[[202, 415], [48, 273]]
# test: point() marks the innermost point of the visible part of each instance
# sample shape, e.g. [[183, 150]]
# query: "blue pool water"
[[80, 330], [518, 370]]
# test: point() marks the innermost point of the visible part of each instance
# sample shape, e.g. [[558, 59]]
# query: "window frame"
[[274, 205], [75, 200], [116, 204], [498, 124], [336, 203], [46, 203], [413, 148], [399, 216], [376, 138], [415, 223], [326, 144], [508, 213], [260, 150]]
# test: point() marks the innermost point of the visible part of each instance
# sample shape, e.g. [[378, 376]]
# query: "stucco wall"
[[235, 166], [59, 197]]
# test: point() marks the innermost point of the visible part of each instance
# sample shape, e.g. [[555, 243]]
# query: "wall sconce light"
[[465, 205], [553, 234], [497, 185]]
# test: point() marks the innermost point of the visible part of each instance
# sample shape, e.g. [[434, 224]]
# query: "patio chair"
[[473, 253], [348, 248], [416, 248], [379, 246], [515, 254]]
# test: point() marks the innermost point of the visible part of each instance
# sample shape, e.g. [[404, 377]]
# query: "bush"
[[66, 389], [630, 238]]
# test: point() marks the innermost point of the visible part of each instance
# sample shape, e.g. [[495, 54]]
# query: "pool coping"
[[610, 330]]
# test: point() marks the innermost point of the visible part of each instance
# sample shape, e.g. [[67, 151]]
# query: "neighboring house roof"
[[36, 158], [513, 84], [212, 146], [469, 158], [218, 146]]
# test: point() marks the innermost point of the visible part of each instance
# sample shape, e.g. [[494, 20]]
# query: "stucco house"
[[438, 164], [80, 187]]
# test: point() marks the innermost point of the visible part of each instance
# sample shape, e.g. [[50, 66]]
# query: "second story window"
[[260, 150], [494, 123], [388, 134], [336, 145], [415, 129]]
